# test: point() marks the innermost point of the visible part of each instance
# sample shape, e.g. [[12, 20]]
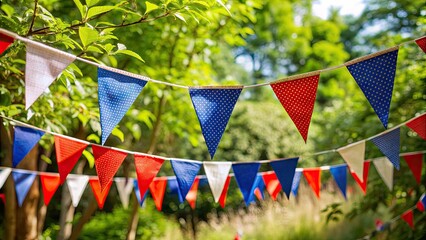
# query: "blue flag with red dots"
[[214, 107], [339, 174], [185, 172], [24, 140], [389, 144], [246, 174], [285, 169], [375, 77], [23, 182], [116, 93]]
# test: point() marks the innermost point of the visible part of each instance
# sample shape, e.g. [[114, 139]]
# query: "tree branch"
[[33, 18]]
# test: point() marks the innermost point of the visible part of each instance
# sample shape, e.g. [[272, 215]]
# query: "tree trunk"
[[42, 210], [91, 208], [134, 219]]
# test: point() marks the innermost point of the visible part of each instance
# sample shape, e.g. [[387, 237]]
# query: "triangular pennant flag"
[[296, 181], [363, 183], [23, 183], [191, 197], [174, 188], [408, 217], [5, 42], [139, 196], [415, 162], [222, 199], [185, 172], [76, 185], [258, 188], [157, 189], [147, 168], [385, 169], [339, 175], [100, 195], [418, 125], [4, 174], [214, 107], [23, 141], [354, 155], [68, 152], [217, 173], [125, 188], [245, 174], [313, 176], [375, 76], [43, 66], [273, 186], [107, 163], [421, 42], [388, 144], [49, 185], [421, 204], [284, 169], [298, 99], [116, 93]]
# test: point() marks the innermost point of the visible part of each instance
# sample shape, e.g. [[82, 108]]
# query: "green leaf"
[[91, 2], [178, 15], [7, 9], [80, 7], [223, 5], [94, 49], [150, 7], [90, 159], [93, 137], [94, 11], [118, 133], [46, 159], [87, 35], [130, 53]]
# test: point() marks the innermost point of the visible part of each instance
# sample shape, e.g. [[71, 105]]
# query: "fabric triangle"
[[139, 196], [174, 188], [273, 186], [296, 182], [43, 66], [388, 144], [421, 42], [258, 188], [214, 107], [363, 183], [4, 174], [23, 183], [100, 195], [23, 141], [298, 99], [76, 186], [68, 152], [49, 185], [421, 204], [116, 93], [5, 42], [217, 173], [245, 174], [408, 217], [418, 125], [284, 169], [222, 199], [385, 169], [147, 168], [313, 176], [415, 162], [125, 188], [354, 155], [191, 197], [185, 175], [339, 175], [375, 77], [157, 189], [107, 163]]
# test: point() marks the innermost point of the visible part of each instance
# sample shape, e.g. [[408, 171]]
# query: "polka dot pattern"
[[67, 154], [375, 77], [116, 93], [107, 163], [388, 144], [419, 126], [298, 99], [214, 108], [422, 43]]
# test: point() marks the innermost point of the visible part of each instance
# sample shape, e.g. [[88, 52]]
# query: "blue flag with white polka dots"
[[375, 77], [246, 174], [185, 175], [389, 144], [214, 107], [116, 93]]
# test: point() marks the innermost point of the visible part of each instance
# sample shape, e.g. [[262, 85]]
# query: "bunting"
[[421, 42], [23, 182], [23, 141], [298, 99], [375, 76], [107, 163], [217, 173], [43, 65], [214, 107], [354, 155], [124, 188], [421, 204], [174, 188], [67, 154], [222, 199], [363, 183], [49, 184], [388, 144], [76, 185], [100, 194], [191, 197], [139, 196], [185, 175], [5, 42], [273, 186], [147, 168], [296, 182], [418, 125], [245, 174], [157, 189], [284, 169], [339, 174], [258, 188], [313, 176], [116, 93], [415, 163], [408, 217], [385, 169], [4, 174]]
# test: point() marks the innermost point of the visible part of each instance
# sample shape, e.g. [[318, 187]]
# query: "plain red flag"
[[157, 189], [49, 185], [191, 197], [222, 199], [363, 183], [100, 195], [273, 186], [415, 162], [313, 176], [408, 218], [147, 168]]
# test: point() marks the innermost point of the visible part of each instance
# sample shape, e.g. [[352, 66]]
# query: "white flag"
[[124, 190], [385, 169], [43, 66], [76, 185], [217, 173], [354, 155], [3, 176]]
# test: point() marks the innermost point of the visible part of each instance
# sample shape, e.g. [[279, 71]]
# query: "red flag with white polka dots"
[[107, 163], [298, 99]]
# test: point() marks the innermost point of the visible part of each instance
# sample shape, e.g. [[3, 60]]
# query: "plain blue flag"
[[284, 169], [23, 141], [339, 174], [185, 174], [23, 183], [245, 174], [296, 181]]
